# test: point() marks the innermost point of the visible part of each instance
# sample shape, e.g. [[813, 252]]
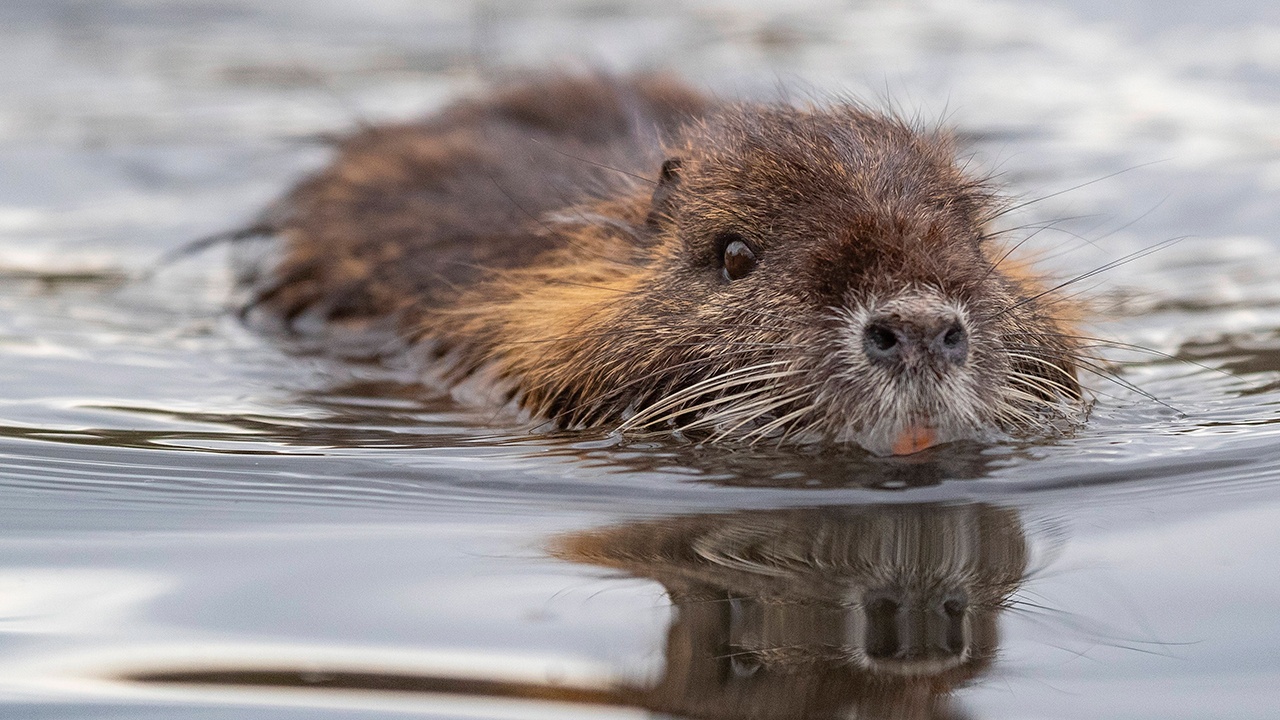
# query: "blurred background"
[[199, 107]]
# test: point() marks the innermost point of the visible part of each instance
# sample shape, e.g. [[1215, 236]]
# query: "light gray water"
[[179, 494]]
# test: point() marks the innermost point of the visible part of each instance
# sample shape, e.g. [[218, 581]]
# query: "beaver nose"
[[894, 342], [911, 627]]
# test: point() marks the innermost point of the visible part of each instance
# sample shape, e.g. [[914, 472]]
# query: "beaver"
[[630, 253]]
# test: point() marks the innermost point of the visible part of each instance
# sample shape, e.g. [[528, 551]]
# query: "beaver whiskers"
[[758, 392]]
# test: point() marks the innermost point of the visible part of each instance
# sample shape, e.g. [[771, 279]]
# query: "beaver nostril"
[[881, 337], [951, 344], [954, 336], [884, 344]]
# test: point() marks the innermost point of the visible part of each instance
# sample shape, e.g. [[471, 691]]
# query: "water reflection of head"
[[818, 612]]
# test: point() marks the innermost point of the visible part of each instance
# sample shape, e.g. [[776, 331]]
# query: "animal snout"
[[912, 627], [896, 342]]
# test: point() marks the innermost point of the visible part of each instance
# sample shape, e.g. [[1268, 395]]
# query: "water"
[[201, 523]]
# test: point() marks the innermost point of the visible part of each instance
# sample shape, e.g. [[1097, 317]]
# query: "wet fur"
[[534, 244]]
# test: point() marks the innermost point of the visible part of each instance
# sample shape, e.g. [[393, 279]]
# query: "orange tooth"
[[913, 439]]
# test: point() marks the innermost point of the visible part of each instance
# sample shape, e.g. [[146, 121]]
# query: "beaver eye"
[[738, 258]]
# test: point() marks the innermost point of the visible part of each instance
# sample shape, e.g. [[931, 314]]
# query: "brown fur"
[[530, 240]]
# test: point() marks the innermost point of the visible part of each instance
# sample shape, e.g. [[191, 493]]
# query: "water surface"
[[201, 522]]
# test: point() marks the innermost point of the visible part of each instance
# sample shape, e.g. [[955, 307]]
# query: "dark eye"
[[738, 258]]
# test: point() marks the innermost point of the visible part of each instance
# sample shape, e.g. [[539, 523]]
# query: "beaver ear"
[[660, 205], [670, 171]]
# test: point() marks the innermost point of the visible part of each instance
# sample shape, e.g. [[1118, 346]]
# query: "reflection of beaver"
[[803, 274], [821, 613]]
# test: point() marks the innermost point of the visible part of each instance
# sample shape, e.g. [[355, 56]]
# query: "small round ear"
[[670, 171], [668, 181]]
